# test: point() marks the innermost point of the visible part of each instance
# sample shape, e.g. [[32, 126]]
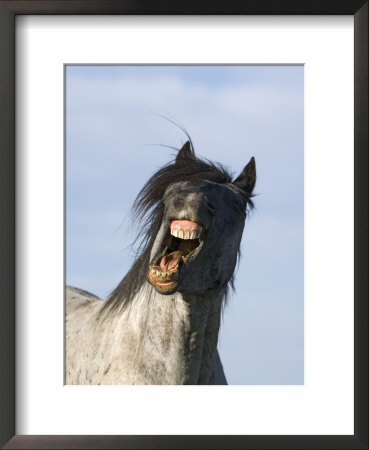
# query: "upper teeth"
[[185, 234]]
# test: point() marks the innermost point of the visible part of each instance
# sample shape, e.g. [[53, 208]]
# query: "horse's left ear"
[[186, 152], [247, 178]]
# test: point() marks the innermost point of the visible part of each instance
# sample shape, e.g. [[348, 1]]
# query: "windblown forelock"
[[148, 213], [186, 169]]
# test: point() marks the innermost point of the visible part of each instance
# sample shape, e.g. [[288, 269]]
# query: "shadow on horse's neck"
[[177, 334]]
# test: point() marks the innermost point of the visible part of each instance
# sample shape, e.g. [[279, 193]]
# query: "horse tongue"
[[169, 262]]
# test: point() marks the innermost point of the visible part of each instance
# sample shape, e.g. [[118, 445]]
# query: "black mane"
[[148, 211]]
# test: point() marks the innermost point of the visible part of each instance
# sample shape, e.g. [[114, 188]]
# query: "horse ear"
[[186, 152], [247, 178]]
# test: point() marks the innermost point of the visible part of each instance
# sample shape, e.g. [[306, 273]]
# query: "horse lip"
[[204, 228], [163, 287]]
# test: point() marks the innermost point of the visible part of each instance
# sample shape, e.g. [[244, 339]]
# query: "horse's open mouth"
[[181, 247]]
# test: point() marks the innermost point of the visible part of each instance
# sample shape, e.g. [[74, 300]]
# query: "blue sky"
[[113, 128]]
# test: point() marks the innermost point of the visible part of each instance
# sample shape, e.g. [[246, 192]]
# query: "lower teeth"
[[163, 275]]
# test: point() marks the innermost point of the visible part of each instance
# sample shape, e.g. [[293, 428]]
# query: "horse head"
[[195, 250]]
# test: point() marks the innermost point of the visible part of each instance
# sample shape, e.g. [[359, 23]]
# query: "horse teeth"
[[186, 234]]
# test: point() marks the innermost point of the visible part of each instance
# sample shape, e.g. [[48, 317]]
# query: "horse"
[[160, 325]]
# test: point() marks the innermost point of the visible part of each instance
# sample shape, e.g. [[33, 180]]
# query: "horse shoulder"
[[75, 296], [81, 310]]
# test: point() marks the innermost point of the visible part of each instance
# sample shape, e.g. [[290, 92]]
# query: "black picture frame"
[[8, 12]]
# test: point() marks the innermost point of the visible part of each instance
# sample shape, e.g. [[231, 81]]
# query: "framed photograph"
[[96, 98], [207, 99]]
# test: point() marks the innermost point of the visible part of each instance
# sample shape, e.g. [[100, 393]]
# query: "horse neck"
[[177, 336]]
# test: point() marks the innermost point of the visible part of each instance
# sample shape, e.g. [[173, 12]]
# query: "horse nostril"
[[211, 209]]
